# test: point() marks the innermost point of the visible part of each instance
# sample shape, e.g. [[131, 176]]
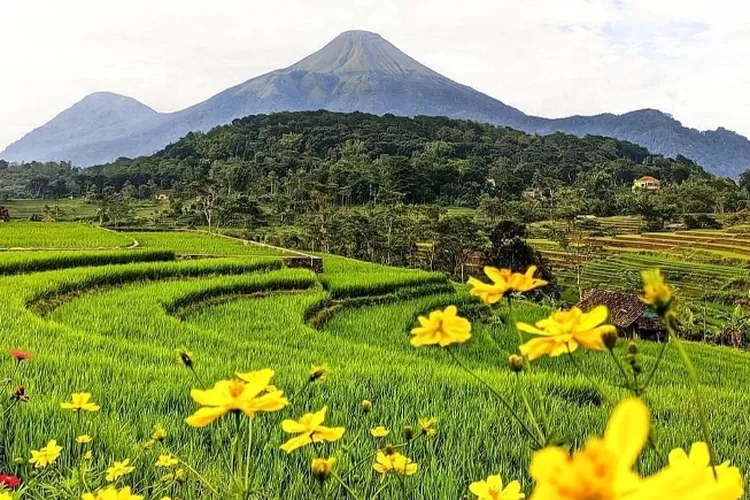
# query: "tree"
[[456, 238], [577, 249], [744, 180], [509, 249], [491, 207]]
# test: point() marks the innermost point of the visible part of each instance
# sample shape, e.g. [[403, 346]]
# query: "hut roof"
[[624, 308]]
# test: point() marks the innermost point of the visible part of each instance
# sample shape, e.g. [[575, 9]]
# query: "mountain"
[[357, 71], [96, 124]]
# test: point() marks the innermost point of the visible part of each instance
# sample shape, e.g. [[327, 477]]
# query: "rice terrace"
[[495, 250], [136, 327]]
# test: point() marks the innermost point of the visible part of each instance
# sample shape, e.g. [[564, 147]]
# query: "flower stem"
[[693, 375], [651, 374], [502, 399], [528, 368], [197, 378], [622, 372], [588, 377], [344, 485], [202, 479], [248, 456], [528, 409]]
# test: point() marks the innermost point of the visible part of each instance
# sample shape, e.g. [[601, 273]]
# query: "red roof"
[[648, 178]]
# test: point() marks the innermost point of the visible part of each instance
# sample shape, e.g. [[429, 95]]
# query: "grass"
[[112, 329], [26, 262], [71, 209], [58, 235], [194, 243]]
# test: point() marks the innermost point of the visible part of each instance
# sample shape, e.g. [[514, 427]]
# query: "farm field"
[[109, 322], [66, 209], [710, 269]]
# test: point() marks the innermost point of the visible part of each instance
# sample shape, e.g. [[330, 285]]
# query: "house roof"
[[624, 308], [648, 178]]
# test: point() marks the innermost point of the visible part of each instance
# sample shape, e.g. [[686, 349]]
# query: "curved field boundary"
[[55, 290], [285, 251], [317, 315], [294, 281], [378, 283], [31, 262]]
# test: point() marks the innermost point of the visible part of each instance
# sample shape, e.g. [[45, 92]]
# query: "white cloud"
[[546, 57]]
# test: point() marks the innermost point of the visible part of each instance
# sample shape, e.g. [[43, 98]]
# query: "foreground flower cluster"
[[235, 413]]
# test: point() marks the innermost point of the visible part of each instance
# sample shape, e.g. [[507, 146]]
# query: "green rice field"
[[109, 322]]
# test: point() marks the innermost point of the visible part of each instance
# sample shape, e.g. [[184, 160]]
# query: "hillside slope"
[[357, 71]]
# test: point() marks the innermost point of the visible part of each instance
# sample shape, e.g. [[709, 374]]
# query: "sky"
[[551, 58]]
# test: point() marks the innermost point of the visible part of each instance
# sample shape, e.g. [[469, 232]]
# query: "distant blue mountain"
[[357, 71]]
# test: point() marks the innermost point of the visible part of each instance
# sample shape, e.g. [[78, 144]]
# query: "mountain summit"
[[356, 71], [361, 51]]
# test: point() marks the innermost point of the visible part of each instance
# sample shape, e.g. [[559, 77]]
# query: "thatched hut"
[[632, 317]]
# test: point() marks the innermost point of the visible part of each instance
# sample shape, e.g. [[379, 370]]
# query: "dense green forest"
[[359, 158]]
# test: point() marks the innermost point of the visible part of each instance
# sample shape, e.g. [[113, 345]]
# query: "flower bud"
[[632, 347], [322, 468], [515, 362], [408, 432], [319, 373], [366, 406], [20, 395], [389, 449], [609, 339], [186, 357]]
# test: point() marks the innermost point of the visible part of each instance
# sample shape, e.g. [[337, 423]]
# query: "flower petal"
[[627, 432]]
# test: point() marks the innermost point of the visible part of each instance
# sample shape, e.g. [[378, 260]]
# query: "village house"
[[163, 194], [648, 183], [633, 318]]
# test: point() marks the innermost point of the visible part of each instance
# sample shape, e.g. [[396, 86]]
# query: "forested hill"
[[358, 157]]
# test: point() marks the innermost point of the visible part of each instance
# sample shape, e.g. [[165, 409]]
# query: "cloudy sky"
[[553, 58]]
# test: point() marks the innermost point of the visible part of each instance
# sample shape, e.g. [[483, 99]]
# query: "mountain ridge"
[[356, 71]]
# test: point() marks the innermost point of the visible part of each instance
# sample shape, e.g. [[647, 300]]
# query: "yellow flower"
[[45, 456], [88, 455], [322, 468], [310, 430], [318, 373], [504, 281], [492, 489], [236, 395], [81, 402], [656, 293], [159, 433], [379, 432], [565, 330], [699, 461], [5, 496], [84, 439], [428, 426], [441, 327], [111, 493], [603, 469], [167, 461], [395, 462], [180, 475], [118, 470]]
